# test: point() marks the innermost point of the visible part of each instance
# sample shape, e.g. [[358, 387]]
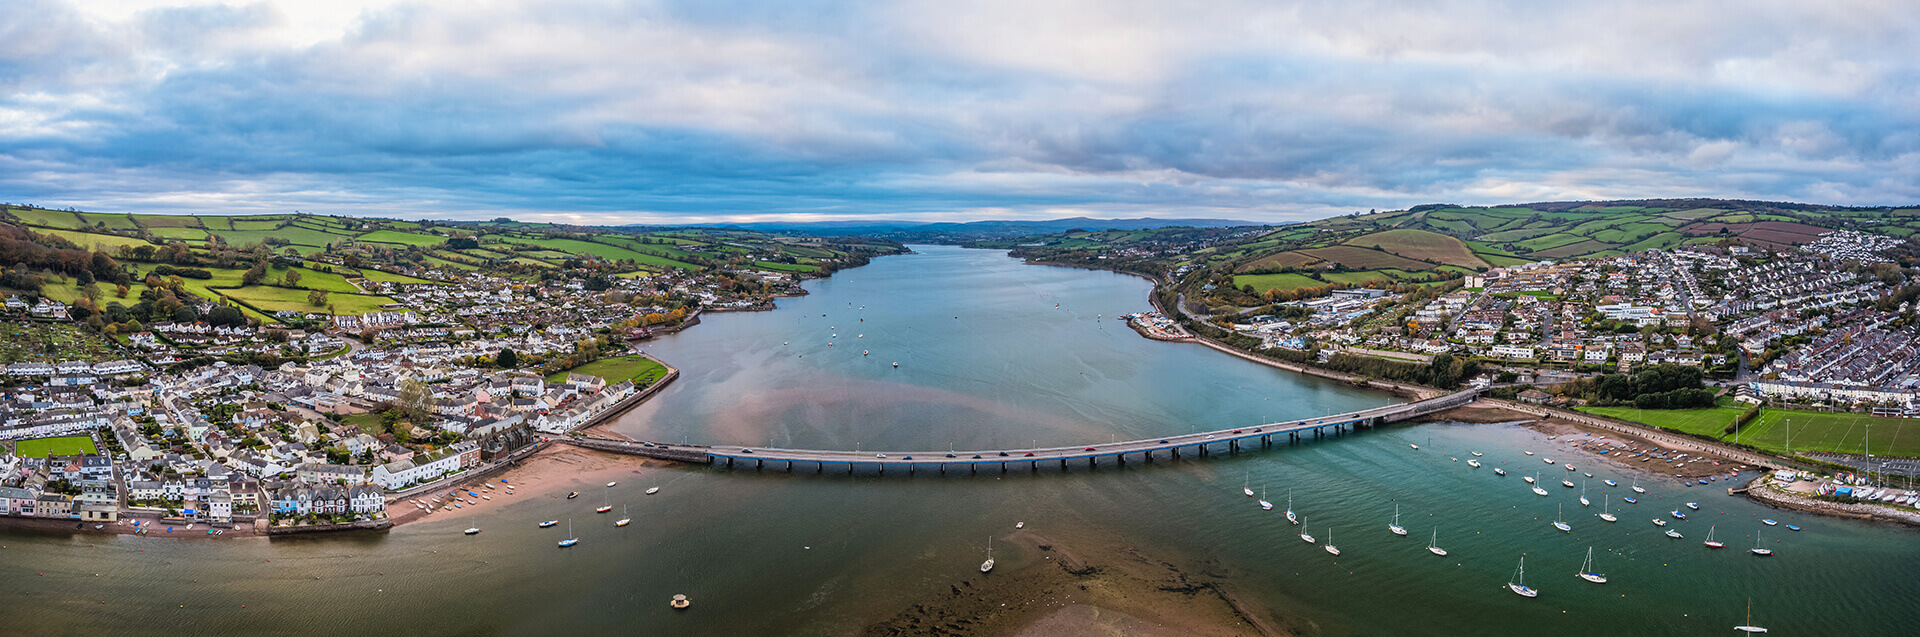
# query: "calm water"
[[986, 359]]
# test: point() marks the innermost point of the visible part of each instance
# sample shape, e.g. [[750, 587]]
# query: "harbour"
[[989, 362]]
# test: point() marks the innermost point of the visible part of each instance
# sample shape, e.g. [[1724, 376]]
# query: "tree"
[[506, 359], [254, 275], [316, 298], [416, 399], [292, 278]]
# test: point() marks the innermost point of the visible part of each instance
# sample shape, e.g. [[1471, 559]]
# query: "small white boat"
[[472, 530], [1395, 525], [1019, 525], [1499, 471], [1756, 550], [1473, 463], [604, 509], [610, 484], [1290, 516], [1264, 504], [1586, 570], [1246, 487], [1529, 479], [1549, 460], [548, 523], [1636, 486], [1611, 483], [1330, 548], [1749, 627], [1693, 505], [1659, 522], [1433, 545], [1529, 453], [1304, 536], [988, 565], [1476, 454], [1673, 534], [571, 540], [1583, 496], [1415, 447], [1539, 491], [652, 490], [624, 518], [1605, 514], [1712, 543], [1519, 585], [1563, 526], [1566, 483]]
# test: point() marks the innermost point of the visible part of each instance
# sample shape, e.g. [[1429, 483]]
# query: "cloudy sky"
[[610, 112]]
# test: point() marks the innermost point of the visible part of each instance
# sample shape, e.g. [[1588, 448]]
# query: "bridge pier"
[[1175, 451], [1036, 466], [729, 463], [1063, 464], [1091, 462], [1233, 446], [759, 464]]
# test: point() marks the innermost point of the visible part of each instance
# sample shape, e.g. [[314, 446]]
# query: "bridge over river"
[[1200, 444]]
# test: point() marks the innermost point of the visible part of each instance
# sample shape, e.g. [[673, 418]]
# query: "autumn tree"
[[316, 298]]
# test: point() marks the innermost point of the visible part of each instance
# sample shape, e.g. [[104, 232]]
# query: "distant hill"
[[975, 230]]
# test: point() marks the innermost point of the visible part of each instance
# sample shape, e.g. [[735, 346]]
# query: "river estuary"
[[995, 353]]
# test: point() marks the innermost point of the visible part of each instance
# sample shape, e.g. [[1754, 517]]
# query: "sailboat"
[[1712, 543], [1304, 536], [1433, 545], [1636, 486], [473, 530], [1756, 550], [1749, 627], [1559, 524], [1583, 494], [1245, 488], [1519, 585], [1606, 512], [1536, 486], [1586, 570], [1290, 516], [988, 565], [571, 540], [1264, 504], [1395, 526], [624, 518], [1330, 548]]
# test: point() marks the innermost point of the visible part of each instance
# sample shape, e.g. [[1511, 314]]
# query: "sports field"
[[1812, 430], [63, 446]]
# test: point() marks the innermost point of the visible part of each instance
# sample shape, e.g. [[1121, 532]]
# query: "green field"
[[1263, 282], [1812, 430], [1421, 245], [1705, 422], [50, 218], [1836, 432], [639, 369], [404, 238], [378, 275], [91, 240], [63, 446], [272, 299], [1365, 259], [786, 267], [184, 234]]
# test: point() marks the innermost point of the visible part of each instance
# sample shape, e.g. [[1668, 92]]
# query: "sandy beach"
[[548, 473], [1574, 445]]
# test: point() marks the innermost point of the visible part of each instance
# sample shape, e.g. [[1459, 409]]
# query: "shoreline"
[[1404, 390]]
